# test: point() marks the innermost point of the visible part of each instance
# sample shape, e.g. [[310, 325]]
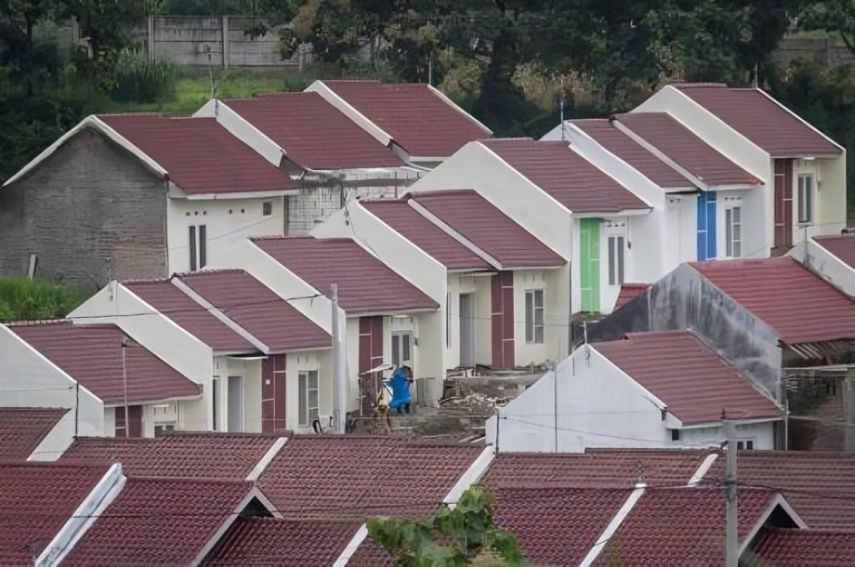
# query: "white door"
[[467, 330], [235, 414]]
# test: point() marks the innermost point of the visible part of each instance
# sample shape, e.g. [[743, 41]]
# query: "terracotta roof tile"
[[22, 429], [365, 284], [628, 292], [352, 478], [92, 355], [189, 315], [627, 149], [568, 177], [257, 309], [799, 305], [686, 149], [313, 133], [36, 501], [227, 456], [157, 521], [401, 217], [199, 155], [694, 382], [761, 119], [414, 115], [783, 547], [273, 542], [843, 246], [476, 219]]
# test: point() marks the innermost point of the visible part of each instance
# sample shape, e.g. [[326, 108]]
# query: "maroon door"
[[273, 384], [502, 321], [135, 428], [783, 205]]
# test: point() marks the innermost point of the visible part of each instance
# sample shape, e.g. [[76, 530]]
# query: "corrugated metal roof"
[[760, 119], [92, 355], [842, 246], [686, 149], [627, 149], [313, 133], [571, 179], [401, 217], [799, 305], [192, 317], [257, 309], [22, 429], [365, 284], [413, 114], [472, 216], [696, 384], [199, 155]]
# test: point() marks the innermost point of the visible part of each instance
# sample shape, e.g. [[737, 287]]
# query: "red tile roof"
[[272, 542], [694, 382], [226, 456], [681, 526], [842, 246], [783, 547], [313, 133], [352, 478], [472, 216], [820, 486], [597, 468], [170, 301], [799, 305], [686, 149], [365, 284], [628, 292], [571, 179], [414, 115], [632, 153], [761, 119], [257, 309], [36, 501], [22, 429], [401, 217], [92, 355], [199, 155], [157, 521]]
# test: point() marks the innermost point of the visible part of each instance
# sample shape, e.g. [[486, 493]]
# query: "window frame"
[[805, 197], [732, 226], [534, 314], [616, 244], [266, 208], [306, 412]]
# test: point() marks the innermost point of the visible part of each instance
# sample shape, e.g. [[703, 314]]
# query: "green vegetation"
[[24, 299]]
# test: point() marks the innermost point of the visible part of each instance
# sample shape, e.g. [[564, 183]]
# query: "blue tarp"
[[400, 389]]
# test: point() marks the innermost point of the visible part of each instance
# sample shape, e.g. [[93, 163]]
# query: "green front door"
[[589, 260]]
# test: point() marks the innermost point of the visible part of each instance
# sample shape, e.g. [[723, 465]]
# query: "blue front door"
[[706, 225]]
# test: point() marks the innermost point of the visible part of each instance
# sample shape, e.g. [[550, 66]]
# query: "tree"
[[463, 535], [831, 16]]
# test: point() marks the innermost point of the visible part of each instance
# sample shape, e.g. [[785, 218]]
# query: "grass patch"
[[24, 299]]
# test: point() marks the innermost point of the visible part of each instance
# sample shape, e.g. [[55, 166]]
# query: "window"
[[198, 242], [214, 402], [733, 232], [805, 198], [401, 343], [267, 208], [308, 392], [534, 316], [615, 260], [675, 435], [448, 321], [745, 445], [163, 428]]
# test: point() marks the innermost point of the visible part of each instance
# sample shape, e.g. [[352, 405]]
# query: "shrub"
[[23, 299], [133, 77]]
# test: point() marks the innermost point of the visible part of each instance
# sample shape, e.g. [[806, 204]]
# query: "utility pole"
[[125, 383], [731, 558], [339, 373]]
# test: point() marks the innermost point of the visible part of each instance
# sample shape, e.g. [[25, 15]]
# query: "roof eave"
[[223, 195], [384, 312]]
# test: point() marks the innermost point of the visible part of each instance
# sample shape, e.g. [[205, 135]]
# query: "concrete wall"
[[825, 52], [833, 269], [91, 212]]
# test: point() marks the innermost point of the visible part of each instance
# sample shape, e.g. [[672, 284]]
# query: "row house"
[[783, 326], [130, 196], [266, 366]]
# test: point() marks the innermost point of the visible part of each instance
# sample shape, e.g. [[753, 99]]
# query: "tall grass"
[[23, 299]]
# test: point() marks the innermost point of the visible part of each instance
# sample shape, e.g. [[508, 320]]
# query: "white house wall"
[[752, 203], [322, 362], [829, 196], [552, 347], [833, 269], [481, 288], [28, 379], [681, 244]]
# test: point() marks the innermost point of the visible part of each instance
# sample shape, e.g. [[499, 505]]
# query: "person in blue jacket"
[[401, 380]]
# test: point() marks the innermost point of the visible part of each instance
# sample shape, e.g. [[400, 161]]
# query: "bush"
[[23, 299], [133, 77]]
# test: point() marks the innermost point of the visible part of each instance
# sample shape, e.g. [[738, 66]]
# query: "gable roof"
[[686, 149], [416, 116], [225, 456], [36, 501], [313, 133], [365, 284], [173, 303], [22, 429], [841, 246], [607, 135], [470, 215], [628, 292], [92, 355], [401, 217], [569, 178], [761, 119], [799, 305], [199, 155], [694, 383], [784, 547]]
